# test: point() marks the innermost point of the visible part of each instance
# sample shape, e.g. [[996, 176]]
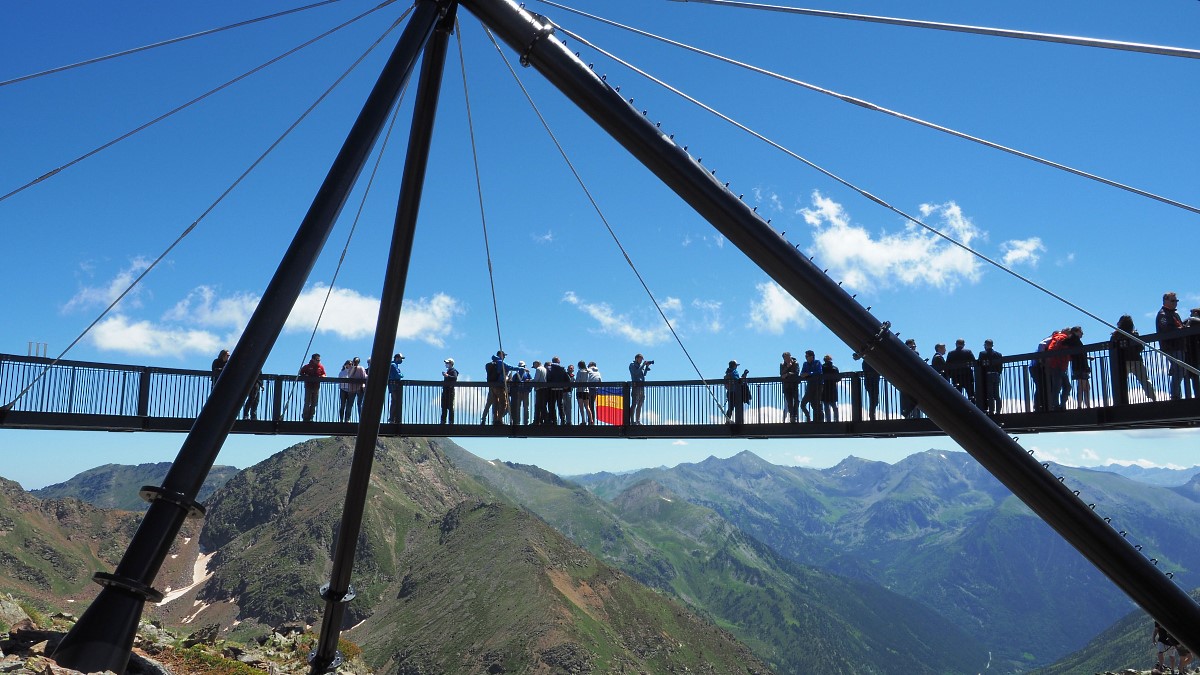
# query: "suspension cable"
[[708, 387], [354, 225], [878, 200], [188, 230], [887, 111], [210, 92], [1160, 50], [487, 249], [164, 43]]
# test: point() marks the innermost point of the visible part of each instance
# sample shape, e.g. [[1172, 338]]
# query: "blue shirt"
[[394, 373]]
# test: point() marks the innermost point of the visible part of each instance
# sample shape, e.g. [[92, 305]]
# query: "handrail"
[[79, 388]]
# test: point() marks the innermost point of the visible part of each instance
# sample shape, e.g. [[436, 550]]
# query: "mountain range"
[[807, 568], [936, 527]]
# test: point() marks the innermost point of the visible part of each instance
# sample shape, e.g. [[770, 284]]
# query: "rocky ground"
[[28, 642]]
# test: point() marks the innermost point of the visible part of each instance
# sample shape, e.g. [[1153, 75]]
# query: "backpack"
[[492, 370]]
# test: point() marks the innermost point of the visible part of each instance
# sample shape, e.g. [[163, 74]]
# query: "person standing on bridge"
[[829, 392], [345, 391], [1081, 369], [1167, 323], [449, 379], [735, 388], [960, 365], [810, 372], [396, 388], [518, 394], [311, 374], [496, 372], [1191, 382], [789, 375], [1130, 352], [218, 364], [583, 393], [637, 392], [991, 367], [594, 378], [938, 360], [871, 384], [359, 375]]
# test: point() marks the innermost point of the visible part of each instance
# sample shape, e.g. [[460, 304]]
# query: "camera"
[[649, 363]]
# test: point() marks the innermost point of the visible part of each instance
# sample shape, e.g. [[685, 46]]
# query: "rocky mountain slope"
[[801, 620], [449, 577]]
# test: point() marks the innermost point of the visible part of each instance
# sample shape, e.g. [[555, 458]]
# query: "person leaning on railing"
[[1130, 352]]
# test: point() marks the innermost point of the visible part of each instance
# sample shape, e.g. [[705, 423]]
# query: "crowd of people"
[[540, 394]]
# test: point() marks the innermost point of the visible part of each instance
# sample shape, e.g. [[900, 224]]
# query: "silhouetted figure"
[[810, 372], [449, 380], [829, 393], [992, 369], [960, 365], [311, 374], [396, 388], [1166, 323], [1130, 352], [789, 375]]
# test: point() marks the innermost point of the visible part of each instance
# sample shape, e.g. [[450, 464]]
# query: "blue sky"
[[562, 286]]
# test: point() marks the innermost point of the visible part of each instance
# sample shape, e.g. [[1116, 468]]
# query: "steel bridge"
[[78, 395]]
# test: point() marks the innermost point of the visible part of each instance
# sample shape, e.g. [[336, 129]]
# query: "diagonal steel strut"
[[532, 37]]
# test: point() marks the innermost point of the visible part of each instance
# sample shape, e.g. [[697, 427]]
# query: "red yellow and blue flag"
[[610, 405]]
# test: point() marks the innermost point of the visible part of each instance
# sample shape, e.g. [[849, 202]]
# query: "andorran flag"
[[610, 405]]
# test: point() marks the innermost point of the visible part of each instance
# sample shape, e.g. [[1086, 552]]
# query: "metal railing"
[[1023, 386]]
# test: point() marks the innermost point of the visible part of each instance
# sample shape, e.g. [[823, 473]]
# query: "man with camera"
[[637, 392]]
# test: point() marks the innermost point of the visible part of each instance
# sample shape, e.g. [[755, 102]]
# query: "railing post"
[[277, 399], [627, 409], [856, 397], [143, 400]]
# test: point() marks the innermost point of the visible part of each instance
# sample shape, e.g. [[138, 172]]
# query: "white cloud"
[[102, 296], [1022, 251], [612, 323], [546, 238], [119, 334], [912, 257], [1088, 454], [774, 310], [348, 314], [710, 315], [203, 307], [802, 459], [679, 443]]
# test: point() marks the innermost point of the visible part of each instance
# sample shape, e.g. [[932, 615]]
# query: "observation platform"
[[75, 395]]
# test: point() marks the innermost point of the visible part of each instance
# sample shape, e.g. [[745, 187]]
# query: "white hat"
[[449, 361], [520, 364]]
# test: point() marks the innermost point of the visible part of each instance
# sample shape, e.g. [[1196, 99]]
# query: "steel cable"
[[135, 50], [210, 92], [188, 230], [887, 111]]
